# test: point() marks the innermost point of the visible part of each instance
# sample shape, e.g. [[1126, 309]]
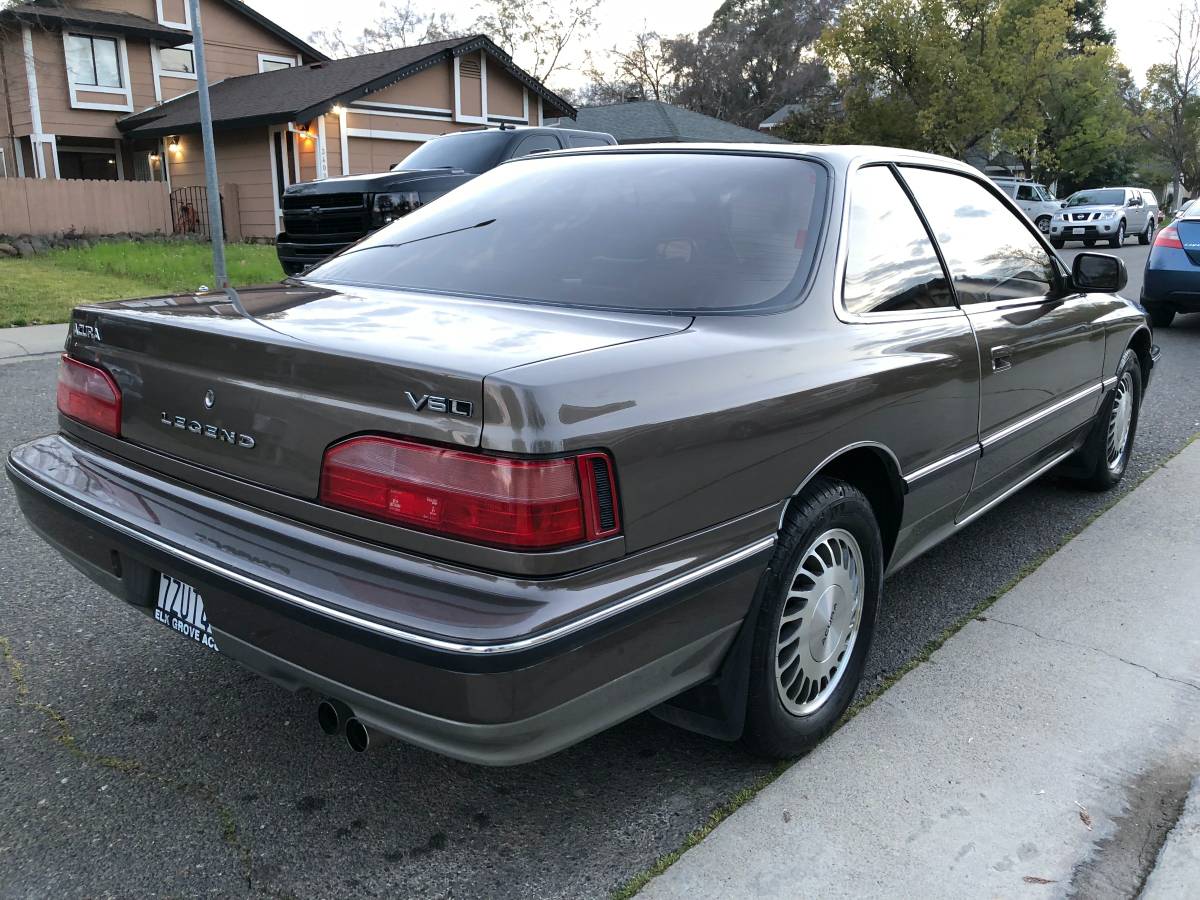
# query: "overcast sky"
[[1138, 23]]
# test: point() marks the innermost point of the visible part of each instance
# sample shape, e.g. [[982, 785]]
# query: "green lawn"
[[44, 288]]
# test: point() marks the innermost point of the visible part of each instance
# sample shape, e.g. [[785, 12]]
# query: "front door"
[[1041, 354]]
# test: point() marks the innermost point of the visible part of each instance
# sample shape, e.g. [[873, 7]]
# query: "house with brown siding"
[[340, 117], [105, 89], [69, 71]]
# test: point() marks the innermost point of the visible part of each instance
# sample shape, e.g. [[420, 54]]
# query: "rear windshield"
[[473, 151], [665, 232], [1108, 197]]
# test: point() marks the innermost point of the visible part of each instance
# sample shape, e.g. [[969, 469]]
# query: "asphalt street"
[[133, 763]]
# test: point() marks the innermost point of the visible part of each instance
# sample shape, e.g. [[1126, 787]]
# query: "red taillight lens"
[[89, 395], [1169, 237], [519, 504]]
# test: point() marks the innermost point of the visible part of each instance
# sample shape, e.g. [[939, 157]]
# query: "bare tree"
[[399, 24], [536, 32], [1172, 95], [646, 65]]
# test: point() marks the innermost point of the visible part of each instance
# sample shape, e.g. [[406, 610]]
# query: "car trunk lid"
[[261, 396], [1189, 236]]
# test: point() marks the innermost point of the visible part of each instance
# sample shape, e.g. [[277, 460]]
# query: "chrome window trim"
[[389, 631], [1045, 412]]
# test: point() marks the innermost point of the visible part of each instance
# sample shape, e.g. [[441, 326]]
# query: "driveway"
[[136, 764]]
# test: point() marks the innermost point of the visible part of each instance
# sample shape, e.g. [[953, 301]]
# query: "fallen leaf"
[[1085, 819], [1033, 879]]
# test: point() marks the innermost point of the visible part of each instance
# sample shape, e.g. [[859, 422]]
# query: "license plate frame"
[[1078, 231], [180, 607]]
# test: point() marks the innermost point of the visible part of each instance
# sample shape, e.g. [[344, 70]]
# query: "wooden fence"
[[44, 206]]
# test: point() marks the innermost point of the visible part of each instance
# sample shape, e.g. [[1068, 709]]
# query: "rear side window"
[[668, 232], [991, 253], [536, 143], [890, 262]]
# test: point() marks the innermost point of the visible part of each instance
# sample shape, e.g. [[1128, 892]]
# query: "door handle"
[[1001, 359]]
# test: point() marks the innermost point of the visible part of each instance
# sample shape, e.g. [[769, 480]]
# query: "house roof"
[[300, 94], [644, 121], [44, 13], [781, 115]]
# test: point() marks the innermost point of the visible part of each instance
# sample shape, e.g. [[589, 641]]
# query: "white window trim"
[[123, 61], [322, 150], [166, 73], [186, 24], [3, 163], [458, 113], [390, 135], [344, 140], [292, 61]]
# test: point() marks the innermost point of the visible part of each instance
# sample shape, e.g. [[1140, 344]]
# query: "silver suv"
[[1035, 200], [1106, 214]]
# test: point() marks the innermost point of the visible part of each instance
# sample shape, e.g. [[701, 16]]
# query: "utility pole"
[[216, 226]]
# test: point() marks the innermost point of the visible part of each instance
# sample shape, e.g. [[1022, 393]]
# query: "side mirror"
[[1062, 204], [1099, 273], [1134, 202]]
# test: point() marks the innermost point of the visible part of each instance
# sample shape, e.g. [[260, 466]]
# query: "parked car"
[[1108, 214], [321, 218], [1172, 280], [514, 469], [1035, 200]]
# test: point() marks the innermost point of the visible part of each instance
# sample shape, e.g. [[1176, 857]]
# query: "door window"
[[1025, 192], [537, 143], [991, 252], [890, 264]]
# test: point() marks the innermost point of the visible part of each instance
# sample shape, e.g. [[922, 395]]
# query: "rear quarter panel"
[[735, 413]]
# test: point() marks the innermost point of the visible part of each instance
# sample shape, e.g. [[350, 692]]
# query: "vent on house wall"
[[468, 67]]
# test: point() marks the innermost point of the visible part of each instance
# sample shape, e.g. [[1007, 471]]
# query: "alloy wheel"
[[1120, 421], [820, 621]]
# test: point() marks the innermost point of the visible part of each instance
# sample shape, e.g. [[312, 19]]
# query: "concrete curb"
[[1034, 752], [17, 344]]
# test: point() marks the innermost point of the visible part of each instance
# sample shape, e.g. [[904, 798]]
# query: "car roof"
[[839, 156]]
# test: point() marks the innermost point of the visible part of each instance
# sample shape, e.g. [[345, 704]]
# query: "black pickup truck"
[[320, 218]]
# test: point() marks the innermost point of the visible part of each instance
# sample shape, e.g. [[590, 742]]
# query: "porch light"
[[173, 146], [338, 109]]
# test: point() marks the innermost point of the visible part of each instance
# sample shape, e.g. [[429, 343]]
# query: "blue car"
[[1172, 283]]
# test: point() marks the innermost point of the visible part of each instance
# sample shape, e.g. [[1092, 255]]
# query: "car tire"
[[1043, 224], [1110, 444], [1161, 316], [821, 591], [1119, 238], [1148, 235]]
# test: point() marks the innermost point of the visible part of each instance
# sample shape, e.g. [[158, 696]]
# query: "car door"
[[1025, 199], [1041, 349], [1135, 212]]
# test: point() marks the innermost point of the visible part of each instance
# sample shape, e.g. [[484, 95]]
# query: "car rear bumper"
[[1175, 288], [481, 667]]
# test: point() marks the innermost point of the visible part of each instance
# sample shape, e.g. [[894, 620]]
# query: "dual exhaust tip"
[[335, 717]]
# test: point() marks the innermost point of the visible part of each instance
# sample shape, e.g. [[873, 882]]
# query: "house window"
[[94, 61], [269, 63], [177, 60]]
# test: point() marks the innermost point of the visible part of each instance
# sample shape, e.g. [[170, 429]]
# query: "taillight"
[[89, 395], [1169, 237], [535, 504]]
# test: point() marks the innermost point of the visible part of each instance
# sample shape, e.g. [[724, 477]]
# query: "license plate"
[[181, 608], [1078, 231]]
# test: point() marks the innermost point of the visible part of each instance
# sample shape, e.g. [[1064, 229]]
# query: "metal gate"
[[189, 212]]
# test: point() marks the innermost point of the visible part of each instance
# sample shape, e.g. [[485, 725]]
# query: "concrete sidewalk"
[[1048, 749], [32, 340]]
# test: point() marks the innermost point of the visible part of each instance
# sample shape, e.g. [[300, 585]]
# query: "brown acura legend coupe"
[[600, 432]]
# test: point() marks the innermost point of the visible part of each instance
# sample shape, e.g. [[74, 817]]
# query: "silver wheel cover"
[[1120, 421], [819, 624]]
